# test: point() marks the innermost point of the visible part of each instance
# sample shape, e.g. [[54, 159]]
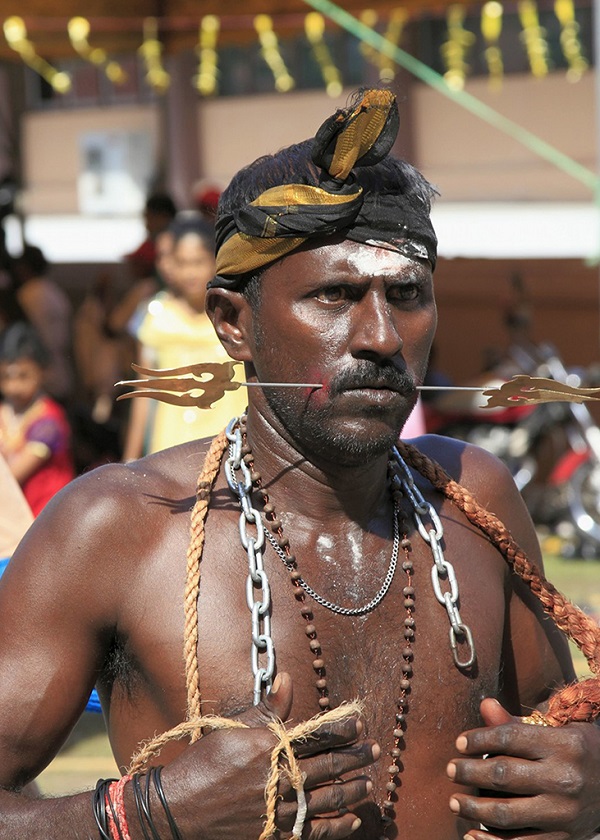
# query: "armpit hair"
[[120, 669]]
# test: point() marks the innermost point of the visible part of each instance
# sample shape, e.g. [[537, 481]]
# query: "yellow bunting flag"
[[569, 40], [79, 29], [455, 49], [151, 51], [491, 27], [314, 27], [534, 38], [206, 79], [15, 33], [269, 43]]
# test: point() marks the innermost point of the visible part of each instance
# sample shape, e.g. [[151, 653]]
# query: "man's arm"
[[61, 600], [50, 652], [533, 777]]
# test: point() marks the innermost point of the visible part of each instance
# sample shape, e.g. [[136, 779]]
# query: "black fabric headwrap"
[[284, 217]]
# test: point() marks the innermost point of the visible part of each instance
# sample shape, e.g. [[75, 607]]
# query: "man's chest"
[[418, 639], [397, 658], [408, 681]]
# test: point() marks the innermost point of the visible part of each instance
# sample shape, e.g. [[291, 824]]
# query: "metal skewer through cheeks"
[[203, 384]]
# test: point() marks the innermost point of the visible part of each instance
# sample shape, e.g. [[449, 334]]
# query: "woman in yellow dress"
[[174, 330]]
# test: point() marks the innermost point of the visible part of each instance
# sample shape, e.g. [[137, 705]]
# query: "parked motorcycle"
[[552, 449]]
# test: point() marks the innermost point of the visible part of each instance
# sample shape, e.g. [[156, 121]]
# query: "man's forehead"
[[371, 260], [345, 254]]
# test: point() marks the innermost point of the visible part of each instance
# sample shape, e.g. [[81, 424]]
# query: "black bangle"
[[145, 802], [139, 804], [156, 778], [99, 807]]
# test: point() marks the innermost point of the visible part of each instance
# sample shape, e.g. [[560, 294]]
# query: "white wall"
[[470, 160], [52, 158]]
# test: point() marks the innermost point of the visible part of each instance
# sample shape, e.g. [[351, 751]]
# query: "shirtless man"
[[95, 594]]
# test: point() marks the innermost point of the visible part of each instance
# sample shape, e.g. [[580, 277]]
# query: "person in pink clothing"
[[15, 515], [415, 425]]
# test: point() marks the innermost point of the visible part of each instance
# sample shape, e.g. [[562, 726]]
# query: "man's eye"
[[408, 291], [333, 294]]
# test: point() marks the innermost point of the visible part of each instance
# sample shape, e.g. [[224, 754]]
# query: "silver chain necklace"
[[442, 572], [336, 608]]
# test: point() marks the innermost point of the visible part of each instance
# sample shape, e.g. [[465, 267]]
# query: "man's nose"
[[376, 330]]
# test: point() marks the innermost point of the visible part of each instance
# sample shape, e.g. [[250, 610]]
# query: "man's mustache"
[[371, 375]]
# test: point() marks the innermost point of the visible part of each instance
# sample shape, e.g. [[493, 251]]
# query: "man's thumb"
[[493, 713], [279, 700], [276, 704]]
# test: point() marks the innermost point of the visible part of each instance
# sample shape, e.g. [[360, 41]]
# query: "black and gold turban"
[[284, 217]]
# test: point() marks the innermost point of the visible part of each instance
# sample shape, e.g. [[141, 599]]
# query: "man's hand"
[[536, 781], [216, 788]]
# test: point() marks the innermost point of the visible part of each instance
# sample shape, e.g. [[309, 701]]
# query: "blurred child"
[[35, 438], [174, 330], [48, 309]]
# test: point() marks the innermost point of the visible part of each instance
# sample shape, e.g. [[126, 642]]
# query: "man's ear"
[[231, 316]]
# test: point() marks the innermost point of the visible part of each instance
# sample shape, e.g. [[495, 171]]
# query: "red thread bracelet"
[[120, 829]]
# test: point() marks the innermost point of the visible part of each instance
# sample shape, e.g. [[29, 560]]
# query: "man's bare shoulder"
[[172, 471], [175, 469], [103, 506], [476, 469], [488, 481]]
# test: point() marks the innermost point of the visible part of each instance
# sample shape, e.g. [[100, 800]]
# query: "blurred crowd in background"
[[60, 359]]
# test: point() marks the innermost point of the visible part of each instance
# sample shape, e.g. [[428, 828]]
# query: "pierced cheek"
[[318, 395]]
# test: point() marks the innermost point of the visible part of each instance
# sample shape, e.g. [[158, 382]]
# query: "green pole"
[[465, 100]]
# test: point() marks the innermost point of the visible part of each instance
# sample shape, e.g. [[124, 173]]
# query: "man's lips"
[[374, 386], [380, 386], [374, 394], [371, 380]]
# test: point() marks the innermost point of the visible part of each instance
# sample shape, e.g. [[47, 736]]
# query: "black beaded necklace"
[[387, 807]]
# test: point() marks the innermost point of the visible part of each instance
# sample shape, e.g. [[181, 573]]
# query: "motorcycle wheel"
[[583, 499]]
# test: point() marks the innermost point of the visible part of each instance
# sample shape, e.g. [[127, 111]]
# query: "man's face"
[[358, 319]]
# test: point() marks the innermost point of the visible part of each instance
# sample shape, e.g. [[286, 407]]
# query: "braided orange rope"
[[206, 479], [580, 701], [192, 726]]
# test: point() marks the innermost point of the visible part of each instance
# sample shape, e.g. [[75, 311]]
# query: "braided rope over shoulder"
[[206, 479], [192, 726], [580, 701]]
